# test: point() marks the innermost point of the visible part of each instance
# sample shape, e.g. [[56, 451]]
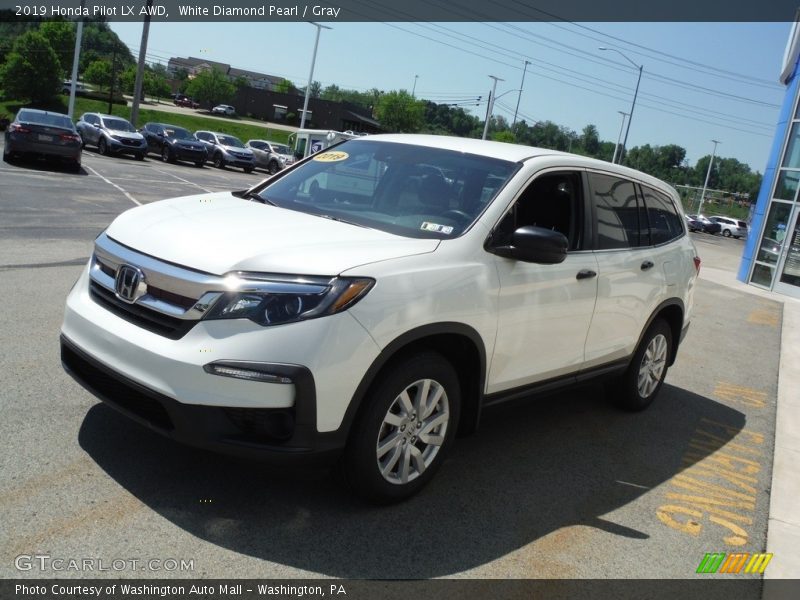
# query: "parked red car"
[[186, 102]]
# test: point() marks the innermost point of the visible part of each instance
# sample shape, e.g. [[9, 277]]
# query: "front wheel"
[[640, 384], [405, 431], [102, 146], [247, 169], [273, 167], [218, 161], [166, 155]]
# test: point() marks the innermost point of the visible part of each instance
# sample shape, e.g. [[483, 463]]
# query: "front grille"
[[128, 142], [170, 327], [172, 298], [116, 389]]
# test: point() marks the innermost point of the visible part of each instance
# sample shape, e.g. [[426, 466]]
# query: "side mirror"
[[535, 245], [160, 134]]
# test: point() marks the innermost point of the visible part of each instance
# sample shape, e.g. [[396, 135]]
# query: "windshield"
[[409, 190], [229, 140], [178, 133], [118, 125]]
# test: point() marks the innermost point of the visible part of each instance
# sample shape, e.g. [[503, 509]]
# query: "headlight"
[[277, 299]]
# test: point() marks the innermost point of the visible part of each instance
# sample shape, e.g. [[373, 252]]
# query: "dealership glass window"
[[762, 275], [792, 157], [791, 266], [787, 185]]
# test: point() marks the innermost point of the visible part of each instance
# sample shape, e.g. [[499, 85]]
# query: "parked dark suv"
[[173, 143]]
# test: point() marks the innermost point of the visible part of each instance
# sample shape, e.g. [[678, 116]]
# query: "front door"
[[544, 311], [788, 276]]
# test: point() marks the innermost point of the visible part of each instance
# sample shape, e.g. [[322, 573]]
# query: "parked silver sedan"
[[43, 133]]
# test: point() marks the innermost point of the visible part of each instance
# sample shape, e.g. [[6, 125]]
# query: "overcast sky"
[[701, 81]]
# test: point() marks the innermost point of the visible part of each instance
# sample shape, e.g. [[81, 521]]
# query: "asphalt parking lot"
[[563, 487]]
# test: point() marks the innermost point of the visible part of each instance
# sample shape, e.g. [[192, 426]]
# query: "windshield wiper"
[[251, 195], [339, 219]]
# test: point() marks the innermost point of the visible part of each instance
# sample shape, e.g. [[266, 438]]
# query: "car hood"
[[130, 135], [236, 149], [186, 144], [218, 233]]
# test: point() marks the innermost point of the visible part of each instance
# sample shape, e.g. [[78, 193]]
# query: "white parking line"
[[207, 191], [108, 181]]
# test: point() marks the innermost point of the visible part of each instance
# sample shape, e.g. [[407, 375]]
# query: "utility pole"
[[519, 96], [414, 89], [633, 104], [490, 106], [113, 78], [75, 60], [137, 86], [708, 174]]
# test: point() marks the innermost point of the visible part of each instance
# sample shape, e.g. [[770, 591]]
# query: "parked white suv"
[[371, 323]]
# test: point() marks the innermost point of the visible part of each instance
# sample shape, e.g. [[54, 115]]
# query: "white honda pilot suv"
[[364, 305]]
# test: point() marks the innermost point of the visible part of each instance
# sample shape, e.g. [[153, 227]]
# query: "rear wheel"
[[7, 157], [726, 232], [403, 434], [640, 384]]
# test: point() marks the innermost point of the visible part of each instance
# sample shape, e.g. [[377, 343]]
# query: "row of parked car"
[[727, 226], [52, 135]]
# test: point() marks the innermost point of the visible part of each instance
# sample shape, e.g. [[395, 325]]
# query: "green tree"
[[240, 82], [315, 90], [32, 70], [284, 86], [211, 87], [504, 136], [99, 73], [400, 112], [590, 140], [155, 84], [61, 36]]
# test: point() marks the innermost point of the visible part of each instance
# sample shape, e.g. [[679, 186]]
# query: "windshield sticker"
[[435, 227], [331, 156]]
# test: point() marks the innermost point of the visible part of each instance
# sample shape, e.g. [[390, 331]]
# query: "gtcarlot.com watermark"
[[44, 563]]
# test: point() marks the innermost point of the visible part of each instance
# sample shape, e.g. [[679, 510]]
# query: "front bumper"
[[235, 161], [190, 154], [118, 147], [161, 382]]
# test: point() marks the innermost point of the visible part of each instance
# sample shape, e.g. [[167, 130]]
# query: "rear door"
[[630, 270]]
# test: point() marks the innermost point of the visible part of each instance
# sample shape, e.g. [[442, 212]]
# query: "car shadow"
[[40, 164], [531, 470]]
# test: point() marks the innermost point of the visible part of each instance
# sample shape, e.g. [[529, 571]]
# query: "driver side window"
[[552, 201]]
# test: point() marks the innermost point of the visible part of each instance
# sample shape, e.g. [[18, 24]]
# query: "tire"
[[8, 157], [139, 156], [75, 167], [639, 385], [272, 168], [199, 164], [421, 445], [102, 147], [218, 161], [247, 169], [726, 233], [166, 155]]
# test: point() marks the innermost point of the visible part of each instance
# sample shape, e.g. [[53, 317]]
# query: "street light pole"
[[633, 104], [619, 137], [519, 97], [490, 106], [708, 175], [311, 73], [75, 59], [414, 89]]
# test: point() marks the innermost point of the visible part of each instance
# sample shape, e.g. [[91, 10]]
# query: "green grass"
[[242, 129]]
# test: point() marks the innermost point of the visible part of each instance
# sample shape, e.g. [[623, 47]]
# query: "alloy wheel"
[[652, 366]]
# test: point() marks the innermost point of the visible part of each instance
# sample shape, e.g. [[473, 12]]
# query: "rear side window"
[[620, 219], [665, 222]]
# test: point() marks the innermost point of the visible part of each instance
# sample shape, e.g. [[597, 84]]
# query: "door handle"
[[648, 264], [585, 274]]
